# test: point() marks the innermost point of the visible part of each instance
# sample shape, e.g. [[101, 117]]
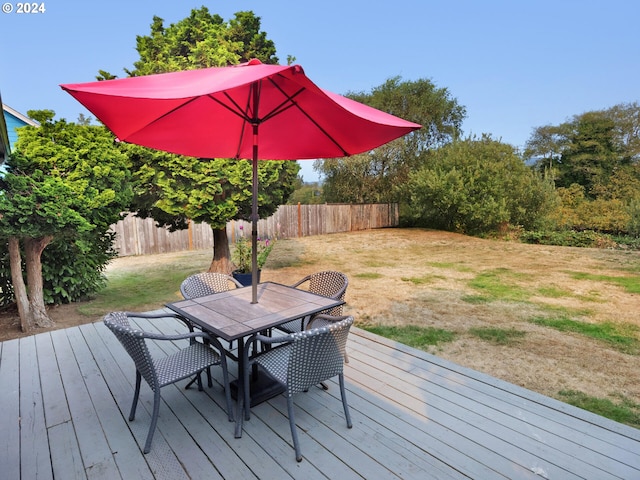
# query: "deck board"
[[66, 395], [528, 448], [10, 402]]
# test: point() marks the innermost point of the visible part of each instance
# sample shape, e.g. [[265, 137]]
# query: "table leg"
[[240, 399]]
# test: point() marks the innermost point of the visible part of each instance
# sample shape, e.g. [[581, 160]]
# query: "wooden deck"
[[64, 397]]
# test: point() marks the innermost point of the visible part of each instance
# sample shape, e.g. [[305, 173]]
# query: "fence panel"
[[137, 236]]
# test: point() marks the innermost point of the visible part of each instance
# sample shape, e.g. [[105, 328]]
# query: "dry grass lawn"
[[429, 278], [400, 276]]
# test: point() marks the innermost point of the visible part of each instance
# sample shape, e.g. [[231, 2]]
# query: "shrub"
[[476, 187]]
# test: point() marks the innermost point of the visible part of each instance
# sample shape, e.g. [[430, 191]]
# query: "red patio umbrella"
[[249, 111]]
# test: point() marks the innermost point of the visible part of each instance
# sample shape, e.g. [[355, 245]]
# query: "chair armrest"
[[282, 339], [300, 282], [191, 335], [181, 336], [324, 318], [187, 323]]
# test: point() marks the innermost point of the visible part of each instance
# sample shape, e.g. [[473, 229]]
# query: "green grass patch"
[[425, 279], [562, 311], [553, 292], [144, 289], [498, 336], [450, 266], [630, 284], [476, 299], [626, 411], [413, 335], [622, 338], [368, 275], [499, 284]]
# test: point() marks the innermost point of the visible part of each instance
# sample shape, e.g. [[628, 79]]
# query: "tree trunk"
[[221, 253], [33, 248], [19, 287]]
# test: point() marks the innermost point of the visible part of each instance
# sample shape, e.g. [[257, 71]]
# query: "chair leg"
[[191, 382], [294, 432], [154, 420], [199, 380], [227, 389], [246, 391], [343, 394], [132, 413]]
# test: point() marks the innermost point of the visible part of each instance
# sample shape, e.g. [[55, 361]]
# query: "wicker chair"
[[206, 283], [159, 372], [327, 283], [201, 284], [302, 359]]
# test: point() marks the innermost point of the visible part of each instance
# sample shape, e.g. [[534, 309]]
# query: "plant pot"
[[245, 278]]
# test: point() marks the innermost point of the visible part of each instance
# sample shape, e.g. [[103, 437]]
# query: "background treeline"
[[577, 183]]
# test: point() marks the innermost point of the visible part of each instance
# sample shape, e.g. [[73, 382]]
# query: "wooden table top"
[[231, 315]]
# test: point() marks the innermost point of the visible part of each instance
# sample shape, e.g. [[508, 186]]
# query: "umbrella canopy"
[[251, 111]]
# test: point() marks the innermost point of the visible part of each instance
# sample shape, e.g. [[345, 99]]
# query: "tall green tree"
[[477, 186], [173, 188], [63, 181], [546, 145], [591, 150], [594, 158], [591, 154], [374, 176]]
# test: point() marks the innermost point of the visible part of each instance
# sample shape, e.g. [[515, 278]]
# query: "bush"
[[476, 187], [572, 238], [577, 212], [71, 271]]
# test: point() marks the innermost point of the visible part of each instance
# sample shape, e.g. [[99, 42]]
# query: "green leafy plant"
[[241, 255]]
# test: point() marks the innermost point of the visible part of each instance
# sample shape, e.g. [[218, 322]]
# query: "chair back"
[[134, 343], [206, 283], [317, 355], [328, 283]]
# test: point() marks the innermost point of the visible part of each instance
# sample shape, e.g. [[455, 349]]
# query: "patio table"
[[232, 316]]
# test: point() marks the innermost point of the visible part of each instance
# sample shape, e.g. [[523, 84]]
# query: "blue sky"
[[515, 65]]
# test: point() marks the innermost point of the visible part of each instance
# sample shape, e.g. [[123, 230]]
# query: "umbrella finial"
[[254, 61]]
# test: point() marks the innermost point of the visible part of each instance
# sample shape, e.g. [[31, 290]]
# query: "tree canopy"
[[475, 186], [594, 160], [172, 188], [64, 182], [374, 176]]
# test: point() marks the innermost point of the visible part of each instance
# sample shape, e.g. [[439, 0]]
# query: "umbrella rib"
[[285, 105], [297, 105], [156, 120], [238, 111], [289, 102], [244, 115]]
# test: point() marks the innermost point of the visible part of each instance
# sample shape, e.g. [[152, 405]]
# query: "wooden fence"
[[136, 236]]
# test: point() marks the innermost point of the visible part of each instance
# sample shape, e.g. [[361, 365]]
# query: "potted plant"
[[241, 257]]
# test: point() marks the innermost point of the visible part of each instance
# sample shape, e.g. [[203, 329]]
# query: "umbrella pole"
[[254, 219]]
